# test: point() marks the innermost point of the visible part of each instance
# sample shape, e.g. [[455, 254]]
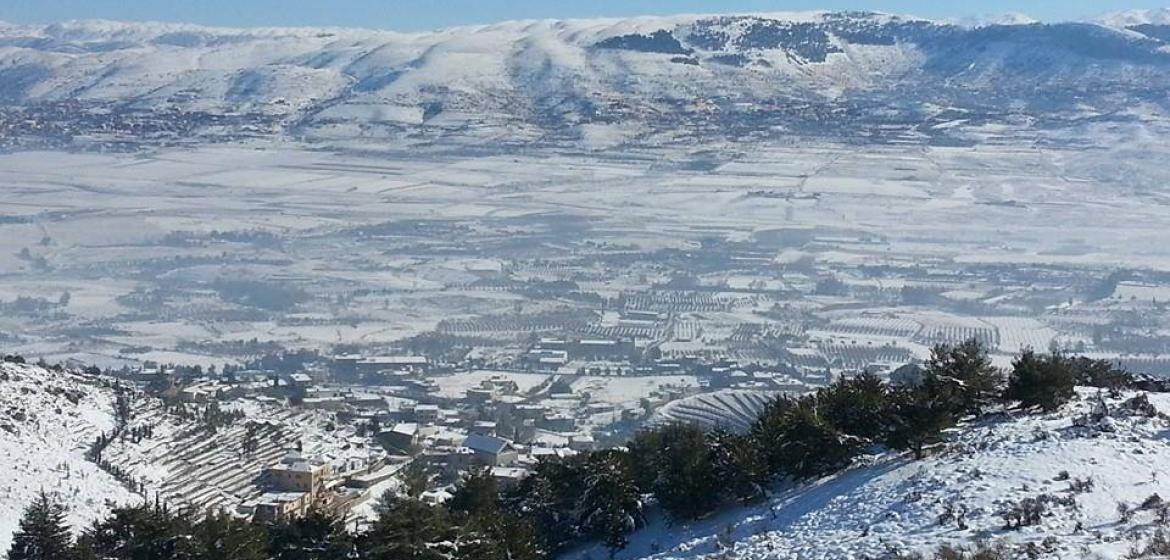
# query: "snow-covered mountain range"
[[818, 72]]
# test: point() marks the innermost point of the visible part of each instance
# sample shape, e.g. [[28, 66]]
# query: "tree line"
[[690, 472], [406, 529]]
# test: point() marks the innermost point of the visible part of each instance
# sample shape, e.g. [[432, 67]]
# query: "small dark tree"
[[676, 464], [497, 537], [611, 505], [964, 375], [408, 529], [1044, 382], [415, 480], [1099, 373], [136, 533], [917, 418], [317, 535], [43, 534], [768, 433], [740, 466], [855, 406], [477, 494], [219, 537], [811, 447], [549, 499]]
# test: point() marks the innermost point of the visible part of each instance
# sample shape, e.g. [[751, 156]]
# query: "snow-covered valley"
[[349, 253]]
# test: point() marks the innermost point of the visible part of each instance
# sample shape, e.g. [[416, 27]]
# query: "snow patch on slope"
[[984, 20], [1124, 20], [47, 421]]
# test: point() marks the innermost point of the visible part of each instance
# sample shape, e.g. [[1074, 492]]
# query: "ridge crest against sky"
[[421, 15]]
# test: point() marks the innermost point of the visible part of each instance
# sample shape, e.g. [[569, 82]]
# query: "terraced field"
[[733, 410], [194, 468]]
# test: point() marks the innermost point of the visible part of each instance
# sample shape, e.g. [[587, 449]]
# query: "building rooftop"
[[509, 472], [394, 361], [406, 428], [485, 444]]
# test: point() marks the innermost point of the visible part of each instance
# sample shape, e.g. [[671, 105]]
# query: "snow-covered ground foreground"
[[47, 421], [897, 505]]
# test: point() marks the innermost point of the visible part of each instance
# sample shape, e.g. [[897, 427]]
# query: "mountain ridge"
[[1117, 19], [821, 73]]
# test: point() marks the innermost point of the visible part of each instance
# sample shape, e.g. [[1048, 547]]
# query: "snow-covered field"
[[627, 391], [47, 421], [894, 504], [456, 386], [315, 204]]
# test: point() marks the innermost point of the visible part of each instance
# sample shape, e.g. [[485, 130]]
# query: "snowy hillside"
[[577, 80], [960, 494], [47, 421], [1122, 20]]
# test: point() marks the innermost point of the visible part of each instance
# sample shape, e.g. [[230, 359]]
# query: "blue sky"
[[413, 15]]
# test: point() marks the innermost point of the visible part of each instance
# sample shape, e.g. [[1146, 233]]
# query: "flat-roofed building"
[[295, 473], [490, 450], [273, 507], [404, 436]]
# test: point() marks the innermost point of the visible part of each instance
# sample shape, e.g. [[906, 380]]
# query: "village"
[[338, 434]]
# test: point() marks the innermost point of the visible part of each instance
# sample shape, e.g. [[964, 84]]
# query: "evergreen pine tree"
[[476, 494], [548, 498], [855, 406], [768, 431], [43, 534], [810, 446], [917, 418], [964, 375], [610, 505], [407, 529], [740, 465], [1099, 373], [1044, 382], [318, 535], [219, 537], [676, 462], [146, 532], [497, 537], [415, 480]]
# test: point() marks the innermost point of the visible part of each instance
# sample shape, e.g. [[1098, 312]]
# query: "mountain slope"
[[558, 80], [1127, 19], [896, 505], [47, 421]]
